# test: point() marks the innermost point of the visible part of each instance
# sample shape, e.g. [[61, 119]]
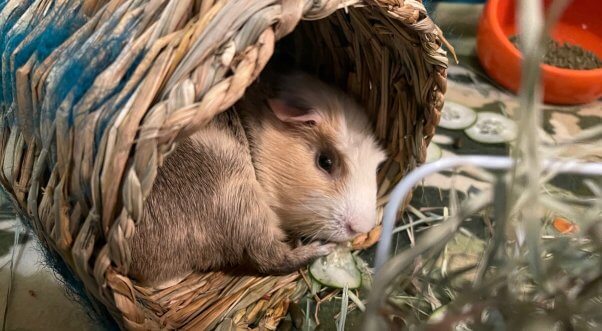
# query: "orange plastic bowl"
[[580, 25]]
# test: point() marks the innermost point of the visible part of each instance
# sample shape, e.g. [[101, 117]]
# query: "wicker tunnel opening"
[[373, 57], [79, 161]]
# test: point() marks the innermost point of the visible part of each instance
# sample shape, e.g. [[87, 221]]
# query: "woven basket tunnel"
[[95, 94]]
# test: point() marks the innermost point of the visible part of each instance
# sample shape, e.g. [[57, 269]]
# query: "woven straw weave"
[[95, 94]]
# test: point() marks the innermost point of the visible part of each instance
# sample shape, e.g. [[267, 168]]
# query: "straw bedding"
[[96, 93]]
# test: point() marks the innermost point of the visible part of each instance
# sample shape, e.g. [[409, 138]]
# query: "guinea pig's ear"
[[291, 114]]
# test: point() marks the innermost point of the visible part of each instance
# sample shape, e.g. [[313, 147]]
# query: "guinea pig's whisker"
[[312, 236], [332, 234], [313, 209], [319, 212]]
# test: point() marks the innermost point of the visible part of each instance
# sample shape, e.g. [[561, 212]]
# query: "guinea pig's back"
[[180, 212]]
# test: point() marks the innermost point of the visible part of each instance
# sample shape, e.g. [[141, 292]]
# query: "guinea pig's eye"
[[325, 161]]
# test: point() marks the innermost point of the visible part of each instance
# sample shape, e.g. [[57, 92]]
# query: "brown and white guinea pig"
[[295, 158]]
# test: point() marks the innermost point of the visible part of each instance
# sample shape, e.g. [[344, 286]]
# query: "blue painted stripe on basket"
[[2, 4], [54, 35], [85, 77], [14, 38], [7, 21], [71, 48], [115, 102], [118, 88], [110, 103], [52, 30], [71, 75], [75, 73]]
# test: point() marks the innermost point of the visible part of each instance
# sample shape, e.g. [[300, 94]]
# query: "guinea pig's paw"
[[303, 255], [322, 249]]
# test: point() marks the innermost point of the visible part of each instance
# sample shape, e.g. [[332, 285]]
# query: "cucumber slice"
[[456, 117], [337, 270], [433, 153], [492, 128]]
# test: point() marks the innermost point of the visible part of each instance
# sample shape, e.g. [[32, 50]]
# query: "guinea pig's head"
[[317, 158]]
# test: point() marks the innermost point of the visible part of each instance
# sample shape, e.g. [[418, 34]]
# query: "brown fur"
[[224, 196]]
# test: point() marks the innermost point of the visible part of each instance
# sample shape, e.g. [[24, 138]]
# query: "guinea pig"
[[295, 158]]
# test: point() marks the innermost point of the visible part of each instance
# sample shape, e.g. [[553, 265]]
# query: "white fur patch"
[[363, 157]]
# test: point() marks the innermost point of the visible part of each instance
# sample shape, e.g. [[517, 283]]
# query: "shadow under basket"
[[96, 93]]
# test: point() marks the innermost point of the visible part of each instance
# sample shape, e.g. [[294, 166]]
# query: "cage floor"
[[37, 301]]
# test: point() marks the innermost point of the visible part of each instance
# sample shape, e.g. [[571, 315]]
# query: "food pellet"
[[567, 56]]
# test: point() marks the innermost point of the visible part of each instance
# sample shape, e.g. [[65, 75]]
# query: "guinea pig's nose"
[[361, 224]]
